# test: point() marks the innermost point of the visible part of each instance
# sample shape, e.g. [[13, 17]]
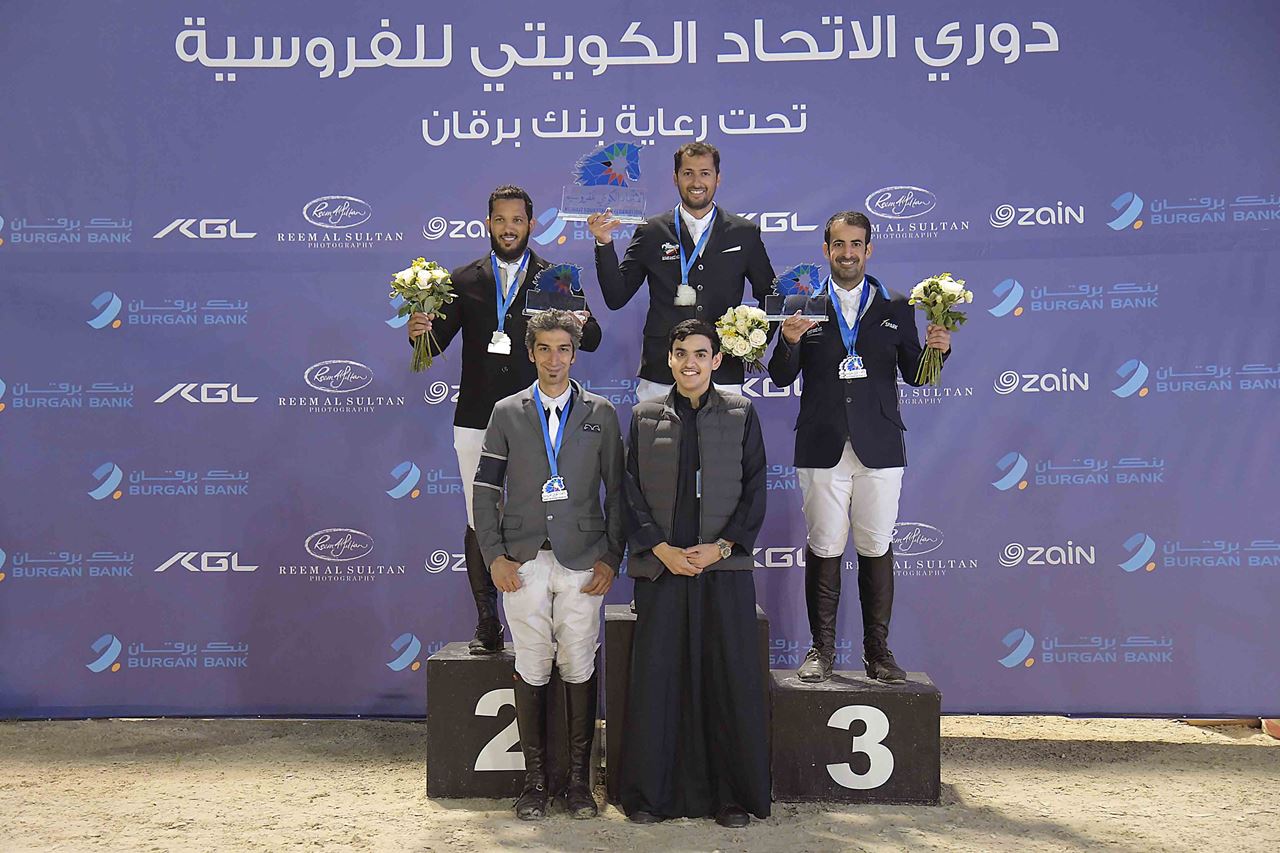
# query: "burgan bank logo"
[[3, 388], [338, 376], [1014, 466], [1020, 642], [1133, 374], [409, 647], [109, 477], [397, 320], [406, 475], [108, 306], [1140, 548], [1009, 292], [108, 649], [3, 557], [339, 544], [1128, 206]]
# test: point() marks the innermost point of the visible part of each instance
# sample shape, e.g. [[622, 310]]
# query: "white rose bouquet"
[[425, 287], [744, 331], [935, 296]]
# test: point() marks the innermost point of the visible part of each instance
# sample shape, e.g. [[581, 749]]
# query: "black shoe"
[[817, 665], [488, 638], [645, 817], [580, 700], [734, 817], [531, 719], [882, 667]]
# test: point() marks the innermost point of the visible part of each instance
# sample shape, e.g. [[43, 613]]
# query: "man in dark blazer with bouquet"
[[850, 454], [494, 363]]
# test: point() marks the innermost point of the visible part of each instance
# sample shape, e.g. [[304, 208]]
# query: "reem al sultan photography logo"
[[336, 387], [341, 555], [339, 222]]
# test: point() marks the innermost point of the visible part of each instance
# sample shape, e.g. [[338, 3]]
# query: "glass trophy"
[[606, 179], [800, 288], [556, 288]]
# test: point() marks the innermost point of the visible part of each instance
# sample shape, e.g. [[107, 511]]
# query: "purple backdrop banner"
[[224, 492]]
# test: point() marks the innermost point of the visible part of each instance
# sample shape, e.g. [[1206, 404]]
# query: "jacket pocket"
[[511, 522], [591, 525]]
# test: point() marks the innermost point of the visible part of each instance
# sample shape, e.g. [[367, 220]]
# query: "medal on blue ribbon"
[[851, 367], [500, 343], [554, 489], [686, 295]]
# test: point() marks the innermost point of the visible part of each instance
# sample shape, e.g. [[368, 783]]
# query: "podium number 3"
[[868, 743], [497, 754]]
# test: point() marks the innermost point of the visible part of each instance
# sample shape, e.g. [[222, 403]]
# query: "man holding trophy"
[[695, 259], [489, 312], [849, 452]]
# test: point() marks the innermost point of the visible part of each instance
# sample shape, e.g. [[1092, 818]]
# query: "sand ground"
[[1008, 783]]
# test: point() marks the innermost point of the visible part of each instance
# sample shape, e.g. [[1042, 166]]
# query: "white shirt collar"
[[846, 295], [696, 225], [556, 402]]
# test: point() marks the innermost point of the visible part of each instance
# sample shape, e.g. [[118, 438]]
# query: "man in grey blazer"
[[552, 547]]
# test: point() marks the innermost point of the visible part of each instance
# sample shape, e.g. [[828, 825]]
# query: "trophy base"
[[537, 302], [624, 218], [812, 308]]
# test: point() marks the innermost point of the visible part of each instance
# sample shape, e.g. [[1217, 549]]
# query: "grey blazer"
[[581, 530]]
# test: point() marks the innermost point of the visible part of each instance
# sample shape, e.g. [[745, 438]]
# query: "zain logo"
[[550, 219], [407, 475], [1009, 292], [1015, 466], [1135, 373], [1141, 548], [108, 649], [409, 647], [1129, 206], [108, 305], [396, 321], [1021, 642], [108, 476]]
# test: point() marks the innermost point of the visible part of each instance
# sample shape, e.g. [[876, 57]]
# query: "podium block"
[[473, 742], [851, 739], [619, 628]]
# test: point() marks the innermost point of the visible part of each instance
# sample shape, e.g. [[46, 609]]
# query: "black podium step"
[[473, 743], [851, 739]]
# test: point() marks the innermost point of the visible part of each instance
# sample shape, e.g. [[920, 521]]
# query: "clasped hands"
[[687, 561]]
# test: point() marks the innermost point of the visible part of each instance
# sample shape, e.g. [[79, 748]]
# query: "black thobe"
[[696, 733]]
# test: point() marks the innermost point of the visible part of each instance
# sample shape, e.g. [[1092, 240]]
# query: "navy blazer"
[[861, 411], [733, 254]]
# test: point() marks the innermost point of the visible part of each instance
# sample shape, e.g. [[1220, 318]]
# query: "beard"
[[689, 202], [516, 254], [845, 279]]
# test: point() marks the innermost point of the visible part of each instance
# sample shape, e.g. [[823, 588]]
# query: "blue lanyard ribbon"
[[849, 335], [687, 264], [544, 418], [504, 302]]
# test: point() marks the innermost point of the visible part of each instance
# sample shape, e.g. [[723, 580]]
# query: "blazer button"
[[699, 307], [848, 399], [699, 287], [504, 368], [550, 517], [699, 266]]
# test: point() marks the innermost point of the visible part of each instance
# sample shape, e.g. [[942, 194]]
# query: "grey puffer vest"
[[721, 423]]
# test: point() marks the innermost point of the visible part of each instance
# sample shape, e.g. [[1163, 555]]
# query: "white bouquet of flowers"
[[425, 287], [935, 296], [744, 332]]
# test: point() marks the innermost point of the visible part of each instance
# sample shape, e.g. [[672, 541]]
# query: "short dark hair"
[[686, 328], [507, 191], [848, 217], [549, 321], [698, 149]]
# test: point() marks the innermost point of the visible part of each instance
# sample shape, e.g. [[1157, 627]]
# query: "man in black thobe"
[[696, 738]]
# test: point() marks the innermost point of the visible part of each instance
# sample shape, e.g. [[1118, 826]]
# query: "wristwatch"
[[725, 548]]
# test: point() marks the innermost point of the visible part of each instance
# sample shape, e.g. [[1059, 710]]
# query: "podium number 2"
[[868, 743], [497, 754]]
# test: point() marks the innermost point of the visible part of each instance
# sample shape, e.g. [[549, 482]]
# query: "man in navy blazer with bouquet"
[[850, 453]]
